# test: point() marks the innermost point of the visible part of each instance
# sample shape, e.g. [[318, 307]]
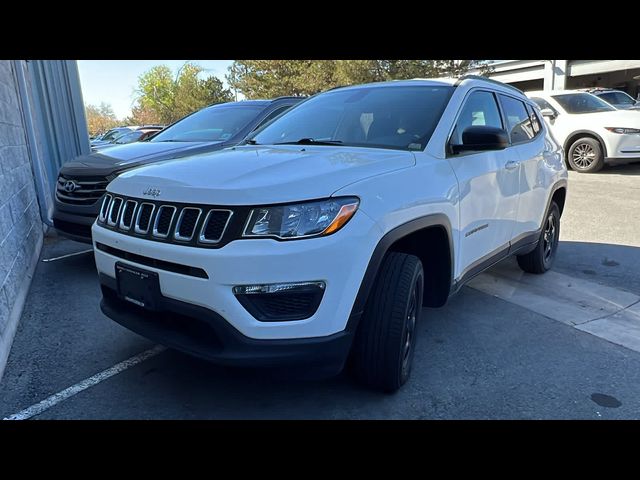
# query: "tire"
[[541, 259], [384, 345], [585, 155]]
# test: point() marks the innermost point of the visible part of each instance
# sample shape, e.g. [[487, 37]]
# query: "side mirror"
[[547, 112], [482, 137]]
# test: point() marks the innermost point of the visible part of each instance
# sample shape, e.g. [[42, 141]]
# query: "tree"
[[141, 115], [100, 118], [170, 97], [273, 78]]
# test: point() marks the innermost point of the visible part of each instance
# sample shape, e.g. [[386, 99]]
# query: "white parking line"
[[67, 255], [53, 400]]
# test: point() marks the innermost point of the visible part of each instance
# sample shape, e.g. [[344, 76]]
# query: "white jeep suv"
[[321, 237], [590, 130]]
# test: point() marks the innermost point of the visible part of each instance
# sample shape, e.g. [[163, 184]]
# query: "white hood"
[[253, 175]]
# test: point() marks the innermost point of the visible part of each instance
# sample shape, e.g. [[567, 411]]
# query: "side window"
[[535, 122], [273, 115], [518, 122], [480, 108]]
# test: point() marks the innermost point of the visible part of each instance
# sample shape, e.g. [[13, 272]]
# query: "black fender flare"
[[562, 183], [381, 249]]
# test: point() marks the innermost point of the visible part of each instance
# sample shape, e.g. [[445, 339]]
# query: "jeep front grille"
[[215, 225], [195, 225], [164, 218], [186, 224], [143, 220], [114, 211], [80, 191], [126, 219]]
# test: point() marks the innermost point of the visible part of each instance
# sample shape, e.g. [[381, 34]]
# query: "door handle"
[[510, 165]]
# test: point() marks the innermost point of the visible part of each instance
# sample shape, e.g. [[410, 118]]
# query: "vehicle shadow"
[[622, 169], [617, 266]]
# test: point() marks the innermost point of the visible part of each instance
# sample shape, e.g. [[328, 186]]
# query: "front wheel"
[[541, 258], [585, 155], [385, 341]]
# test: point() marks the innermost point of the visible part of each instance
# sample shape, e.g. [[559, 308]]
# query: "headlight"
[[623, 130], [301, 220]]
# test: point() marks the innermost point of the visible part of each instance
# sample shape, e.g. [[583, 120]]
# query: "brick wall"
[[20, 225]]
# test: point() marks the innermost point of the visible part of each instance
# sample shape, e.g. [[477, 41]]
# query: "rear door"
[[528, 146], [488, 185]]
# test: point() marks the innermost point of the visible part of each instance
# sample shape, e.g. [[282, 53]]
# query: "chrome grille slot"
[[164, 218], [114, 211], [126, 218], [143, 219], [214, 225], [104, 209], [186, 224]]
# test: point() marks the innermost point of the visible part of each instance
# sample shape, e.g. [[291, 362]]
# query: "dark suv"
[[83, 181]]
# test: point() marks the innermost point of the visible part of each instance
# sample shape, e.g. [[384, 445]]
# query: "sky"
[[114, 81]]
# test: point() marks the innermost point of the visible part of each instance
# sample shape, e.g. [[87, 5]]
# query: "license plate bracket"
[[138, 286]]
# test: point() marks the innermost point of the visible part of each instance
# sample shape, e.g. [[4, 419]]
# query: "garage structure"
[[528, 75], [42, 125]]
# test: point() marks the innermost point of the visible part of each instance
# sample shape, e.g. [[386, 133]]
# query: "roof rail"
[[490, 80]]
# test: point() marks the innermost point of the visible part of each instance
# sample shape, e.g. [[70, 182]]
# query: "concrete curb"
[[6, 340]]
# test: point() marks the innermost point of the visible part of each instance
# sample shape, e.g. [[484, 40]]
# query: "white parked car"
[[321, 238], [590, 130]]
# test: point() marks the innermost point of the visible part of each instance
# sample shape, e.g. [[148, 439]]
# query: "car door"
[[529, 143], [488, 188]]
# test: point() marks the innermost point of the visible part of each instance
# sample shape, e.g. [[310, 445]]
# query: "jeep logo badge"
[[70, 186], [154, 192]]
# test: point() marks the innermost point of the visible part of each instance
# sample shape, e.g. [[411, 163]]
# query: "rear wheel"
[[385, 341], [541, 258], [585, 155]]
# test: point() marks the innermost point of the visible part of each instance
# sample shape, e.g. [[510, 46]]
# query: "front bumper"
[[339, 260], [206, 334], [623, 147], [75, 221], [75, 225]]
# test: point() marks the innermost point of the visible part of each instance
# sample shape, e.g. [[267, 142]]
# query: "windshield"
[[113, 134], [210, 124], [582, 103], [129, 137], [401, 117], [617, 98]]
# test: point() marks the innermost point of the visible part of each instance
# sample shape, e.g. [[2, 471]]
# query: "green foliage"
[[276, 78], [100, 118], [273, 78], [166, 98], [141, 115]]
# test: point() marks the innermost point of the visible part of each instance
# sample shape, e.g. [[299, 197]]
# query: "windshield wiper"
[[252, 142], [311, 141]]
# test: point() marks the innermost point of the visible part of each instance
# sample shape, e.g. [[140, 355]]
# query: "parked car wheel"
[[541, 259], [585, 155], [385, 342]]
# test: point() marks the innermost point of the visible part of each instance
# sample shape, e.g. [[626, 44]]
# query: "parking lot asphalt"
[[492, 352]]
